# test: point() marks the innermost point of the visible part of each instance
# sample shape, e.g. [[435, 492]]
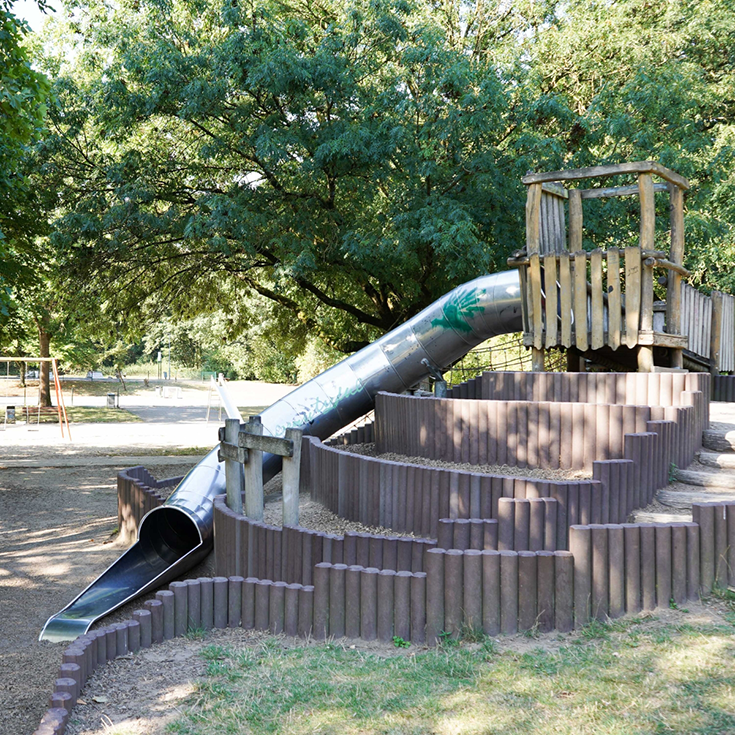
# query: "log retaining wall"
[[570, 436], [137, 493], [612, 569]]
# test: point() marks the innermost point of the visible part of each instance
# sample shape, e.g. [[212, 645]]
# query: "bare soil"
[[56, 535]]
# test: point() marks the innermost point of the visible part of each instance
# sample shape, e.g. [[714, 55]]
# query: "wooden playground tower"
[[602, 302]]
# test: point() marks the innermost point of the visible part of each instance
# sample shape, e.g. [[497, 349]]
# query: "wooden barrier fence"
[[570, 436], [137, 493], [611, 570], [632, 389]]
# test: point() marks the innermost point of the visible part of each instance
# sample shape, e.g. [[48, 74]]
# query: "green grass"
[[83, 415], [163, 452], [637, 676]]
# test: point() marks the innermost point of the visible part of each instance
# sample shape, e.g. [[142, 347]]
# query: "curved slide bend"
[[177, 535]]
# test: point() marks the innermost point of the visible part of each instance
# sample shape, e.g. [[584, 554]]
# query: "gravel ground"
[[56, 535], [489, 469]]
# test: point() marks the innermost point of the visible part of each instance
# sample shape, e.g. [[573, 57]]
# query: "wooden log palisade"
[[604, 299]]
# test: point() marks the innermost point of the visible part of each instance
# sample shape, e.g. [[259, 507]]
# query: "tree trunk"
[[44, 341]]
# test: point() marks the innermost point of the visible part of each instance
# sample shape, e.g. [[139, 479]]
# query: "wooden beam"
[[575, 221], [715, 337], [253, 473], [28, 359], [580, 301], [556, 190], [551, 299], [647, 242], [291, 479], [612, 169], [663, 263], [228, 451], [673, 290], [648, 212], [632, 295], [645, 359], [537, 360], [271, 444], [617, 191], [537, 316], [565, 296], [613, 298], [597, 337], [660, 339], [233, 473]]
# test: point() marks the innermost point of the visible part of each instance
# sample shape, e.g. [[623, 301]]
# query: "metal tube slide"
[[177, 535]]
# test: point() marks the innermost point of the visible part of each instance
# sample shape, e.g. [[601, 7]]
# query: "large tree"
[[23, 93], [351, 161]]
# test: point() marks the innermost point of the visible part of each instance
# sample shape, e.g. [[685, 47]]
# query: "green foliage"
[[337, 161], [349, 162], [672, 472], [399, 642], [23, 92]]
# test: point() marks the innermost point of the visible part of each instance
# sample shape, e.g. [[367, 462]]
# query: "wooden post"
[[533, 219], [254, 474], [580, 301], [597, 334], [551, 299], [715, 339], [676, 255], [233, 472], [537, 360], [575, 220], [647, 242], [613, 298], [533, 248], [291, 477]]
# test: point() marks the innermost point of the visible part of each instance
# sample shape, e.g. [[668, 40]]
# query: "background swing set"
[[28, 410]]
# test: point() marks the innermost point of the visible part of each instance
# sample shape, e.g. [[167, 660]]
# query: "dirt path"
[[55, 531], [58, 515]]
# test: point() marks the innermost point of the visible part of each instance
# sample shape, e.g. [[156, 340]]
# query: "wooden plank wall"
[[696, 319], [727, 335], [553, 238], [580, 301]]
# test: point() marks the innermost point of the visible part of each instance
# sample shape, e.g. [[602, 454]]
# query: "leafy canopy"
[[351, 161]]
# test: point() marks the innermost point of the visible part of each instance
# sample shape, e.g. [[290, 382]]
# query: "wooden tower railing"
[[591, 300]]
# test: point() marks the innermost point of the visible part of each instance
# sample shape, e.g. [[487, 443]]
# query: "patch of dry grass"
[[633, 676]]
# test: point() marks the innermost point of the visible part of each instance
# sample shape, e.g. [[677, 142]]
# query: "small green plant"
[[445, 639], [672, 472], [489, 646], [399, 642], [195, 633], [471, 634]]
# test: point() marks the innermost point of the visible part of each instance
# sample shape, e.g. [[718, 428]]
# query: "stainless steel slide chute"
[[177, 535]]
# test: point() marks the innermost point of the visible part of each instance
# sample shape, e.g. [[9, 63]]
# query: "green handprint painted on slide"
[[460, 308]]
